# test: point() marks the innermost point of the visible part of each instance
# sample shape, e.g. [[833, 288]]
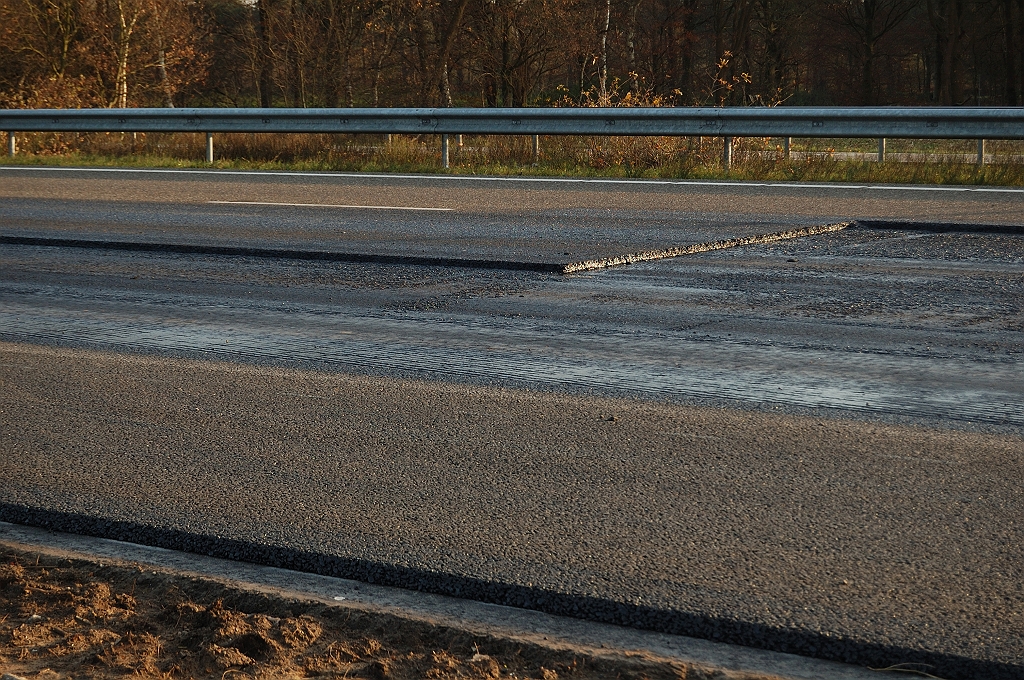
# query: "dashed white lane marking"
[[546, 180], [326, 205]]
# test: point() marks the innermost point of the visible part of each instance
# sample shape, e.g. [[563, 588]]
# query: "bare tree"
[[602, 88], [870, 21], [946, 18]]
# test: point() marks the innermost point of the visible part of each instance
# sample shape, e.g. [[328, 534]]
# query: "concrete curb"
[[673, 622], [477, 618]]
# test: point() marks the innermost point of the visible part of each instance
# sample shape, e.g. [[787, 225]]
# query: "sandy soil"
[[65, 618]]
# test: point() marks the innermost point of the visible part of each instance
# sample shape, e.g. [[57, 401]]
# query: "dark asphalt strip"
[[941, 227], [731, 631]]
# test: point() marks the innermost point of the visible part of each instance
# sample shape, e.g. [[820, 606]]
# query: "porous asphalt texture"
[[806, 518]]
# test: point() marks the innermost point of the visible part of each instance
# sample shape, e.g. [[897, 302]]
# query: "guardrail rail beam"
[[782, 121], [727, 123]]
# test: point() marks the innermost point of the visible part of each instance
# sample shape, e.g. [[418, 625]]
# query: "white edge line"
[[325, 205], [537, 180]]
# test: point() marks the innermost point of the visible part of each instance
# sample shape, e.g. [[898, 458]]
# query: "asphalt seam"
[[824, 645], [665, 253]]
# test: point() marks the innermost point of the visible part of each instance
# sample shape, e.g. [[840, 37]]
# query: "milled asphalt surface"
[[895, 326], [810, 446]]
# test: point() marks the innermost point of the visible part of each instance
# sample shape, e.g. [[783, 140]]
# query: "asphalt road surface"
[[812, 445]]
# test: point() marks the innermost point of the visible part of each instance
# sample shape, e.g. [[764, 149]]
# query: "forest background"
[[311, 53]]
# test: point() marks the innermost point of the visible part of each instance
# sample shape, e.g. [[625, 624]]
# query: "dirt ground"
[[63, 618]]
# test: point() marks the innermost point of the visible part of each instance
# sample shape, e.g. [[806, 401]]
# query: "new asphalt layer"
[[547, 441], [357, 222], [462, 219], [857, 542]]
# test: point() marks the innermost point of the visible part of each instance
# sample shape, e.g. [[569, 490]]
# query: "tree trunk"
[[263, 21], [1020, 51], [634, 8], [583, 74], [740, 39], [162, 68], [445, 51], [867, 92], [295, 59], [602, 82], [684, 81], [945, 20], [1010, 52], [126, 26], [720, 19], [446, 88], [506, 60]]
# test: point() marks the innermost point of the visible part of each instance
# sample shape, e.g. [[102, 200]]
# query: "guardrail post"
[[444, 151], [727, 154], [881, 149], [787, 143], [12, 145], [387, 139], [458, 141], [536, 148], [981, 152], [209, 148]]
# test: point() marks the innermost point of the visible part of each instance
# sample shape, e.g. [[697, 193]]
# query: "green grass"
[[632, 157]]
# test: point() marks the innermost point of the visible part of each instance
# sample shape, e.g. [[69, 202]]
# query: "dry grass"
[[642, 157], [77, 619]]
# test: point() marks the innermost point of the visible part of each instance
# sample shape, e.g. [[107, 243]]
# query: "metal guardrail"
[[785, 122]]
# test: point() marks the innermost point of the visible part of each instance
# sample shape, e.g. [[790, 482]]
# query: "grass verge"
[[625, 157]]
